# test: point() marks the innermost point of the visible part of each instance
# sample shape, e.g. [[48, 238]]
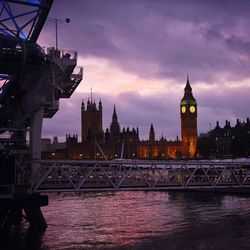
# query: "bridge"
[[120, 175]]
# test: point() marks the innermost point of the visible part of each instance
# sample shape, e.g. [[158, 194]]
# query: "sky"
[[136, 55]]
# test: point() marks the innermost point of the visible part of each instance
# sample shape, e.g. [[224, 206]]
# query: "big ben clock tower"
[[188, 110]]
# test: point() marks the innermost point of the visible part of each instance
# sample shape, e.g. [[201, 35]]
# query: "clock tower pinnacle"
[[188, 111]]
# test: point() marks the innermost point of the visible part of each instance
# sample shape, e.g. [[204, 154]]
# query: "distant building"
[[116, 142], [159, 149], [227, 141], [54, 150], [91, 122], [46, 142]]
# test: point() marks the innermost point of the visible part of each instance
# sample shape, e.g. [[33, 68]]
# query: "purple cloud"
[[160, 39], [163, 40]]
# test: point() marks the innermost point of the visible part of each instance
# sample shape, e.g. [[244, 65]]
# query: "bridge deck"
[[83, 176]]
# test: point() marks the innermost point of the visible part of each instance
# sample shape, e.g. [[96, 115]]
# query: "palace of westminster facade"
[[116, 142], [221, 142]]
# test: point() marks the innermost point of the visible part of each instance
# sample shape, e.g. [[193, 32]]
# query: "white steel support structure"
[[82, 176]]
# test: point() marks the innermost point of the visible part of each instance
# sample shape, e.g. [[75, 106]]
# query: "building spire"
[[188, 95], [151, 128], [114, 127], [83, 106], [114, 116], [151, 133], [100, 105], [188, 86], [91, 94]]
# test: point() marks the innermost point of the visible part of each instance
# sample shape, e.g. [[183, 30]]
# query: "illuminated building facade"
[[188, 111], [125, 143]]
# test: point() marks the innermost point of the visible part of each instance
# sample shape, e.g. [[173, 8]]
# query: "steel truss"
[[23, 18], [74, 176]]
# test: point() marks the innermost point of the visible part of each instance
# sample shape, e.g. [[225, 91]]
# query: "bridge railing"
[[60, 53], [67, 175]]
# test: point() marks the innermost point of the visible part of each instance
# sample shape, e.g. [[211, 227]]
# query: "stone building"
[[188, 110], [226, 141], [125, 143]]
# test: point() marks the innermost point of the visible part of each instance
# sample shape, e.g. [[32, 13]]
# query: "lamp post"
[[57, 20]]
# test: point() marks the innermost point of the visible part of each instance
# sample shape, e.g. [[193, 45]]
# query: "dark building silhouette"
[[227, 141], [92, 131], [91, 122], [115, 126], [152, 134], [119, 143]]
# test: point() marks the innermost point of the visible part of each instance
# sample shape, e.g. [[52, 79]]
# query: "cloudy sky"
[[136, 54]]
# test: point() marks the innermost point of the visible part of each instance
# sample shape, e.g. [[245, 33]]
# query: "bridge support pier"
[[12, 208], [35, 218]]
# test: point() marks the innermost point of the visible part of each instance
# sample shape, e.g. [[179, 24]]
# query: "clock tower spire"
[[188, 110]]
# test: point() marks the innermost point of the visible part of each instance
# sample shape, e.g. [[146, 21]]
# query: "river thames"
[[140, 221]]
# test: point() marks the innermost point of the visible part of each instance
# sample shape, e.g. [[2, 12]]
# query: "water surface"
[[141, 220]]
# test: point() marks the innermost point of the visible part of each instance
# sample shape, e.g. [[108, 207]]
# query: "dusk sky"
[[136, 54]]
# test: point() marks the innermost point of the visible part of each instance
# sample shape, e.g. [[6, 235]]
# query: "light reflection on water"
[[144, 220], [113, 219]]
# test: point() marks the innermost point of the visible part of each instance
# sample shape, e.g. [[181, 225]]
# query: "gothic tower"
[[151, 134], [116, 141], [188, 111], [114, 127], [91, 121]]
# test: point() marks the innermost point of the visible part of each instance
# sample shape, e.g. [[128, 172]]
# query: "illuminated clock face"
[[192, 109], [183, 109]]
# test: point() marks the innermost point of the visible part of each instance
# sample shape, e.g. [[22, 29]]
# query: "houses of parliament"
[[115, 142]]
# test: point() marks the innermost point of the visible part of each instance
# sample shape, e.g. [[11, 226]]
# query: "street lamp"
[[58, 20]]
